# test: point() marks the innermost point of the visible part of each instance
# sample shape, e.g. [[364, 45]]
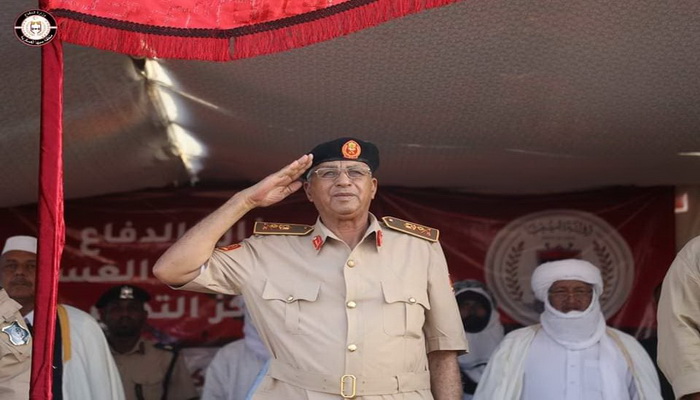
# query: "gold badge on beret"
[[351, 149]]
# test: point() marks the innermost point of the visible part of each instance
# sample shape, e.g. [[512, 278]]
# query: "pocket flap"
[[394, 293], [291, 291]]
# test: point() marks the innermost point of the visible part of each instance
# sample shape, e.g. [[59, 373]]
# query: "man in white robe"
[[572, 354], [483, 328], [233, 370], [88, 370]]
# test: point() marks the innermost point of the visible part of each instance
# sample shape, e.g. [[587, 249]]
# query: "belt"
[[349, 386]]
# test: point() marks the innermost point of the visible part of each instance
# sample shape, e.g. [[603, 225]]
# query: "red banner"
[[627, 232]]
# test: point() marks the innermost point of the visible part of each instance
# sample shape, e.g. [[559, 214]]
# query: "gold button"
[[351, 304], [351, 263], [290, 298], [352, 347], [411, 300]]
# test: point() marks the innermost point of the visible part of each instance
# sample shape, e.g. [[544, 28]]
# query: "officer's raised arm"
[[181, 262]]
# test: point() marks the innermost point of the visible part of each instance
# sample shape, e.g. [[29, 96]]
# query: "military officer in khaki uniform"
[[149, 371], [350, 307], [15, 351]]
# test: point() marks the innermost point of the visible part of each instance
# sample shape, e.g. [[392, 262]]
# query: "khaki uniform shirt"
[[322, 308], [678, 321], [15, 358], [143, 370]]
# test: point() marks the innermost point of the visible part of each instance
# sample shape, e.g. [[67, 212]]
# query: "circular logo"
[[35, 28], [351, 149], [552, 235]]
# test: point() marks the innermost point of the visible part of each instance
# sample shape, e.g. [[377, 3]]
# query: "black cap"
[[346, 149], [122, 292]]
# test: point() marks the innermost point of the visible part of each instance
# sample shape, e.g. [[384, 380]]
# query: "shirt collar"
[[139, 348], [321, 233]]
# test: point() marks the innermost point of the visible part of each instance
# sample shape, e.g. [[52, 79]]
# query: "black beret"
[[346, 149], [122, 292]]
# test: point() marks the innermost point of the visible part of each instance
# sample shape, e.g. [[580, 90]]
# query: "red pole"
[[51, 223]]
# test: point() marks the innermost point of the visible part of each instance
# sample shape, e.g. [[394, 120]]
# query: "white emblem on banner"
[[552, 235]]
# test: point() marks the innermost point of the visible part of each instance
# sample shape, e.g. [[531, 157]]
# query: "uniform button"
[[351, 304], [352, 347], [411, 300], [351, 263], [290, 299]]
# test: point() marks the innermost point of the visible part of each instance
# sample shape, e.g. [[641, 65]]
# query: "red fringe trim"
[[142, 44], [330, 27], [226, 49]]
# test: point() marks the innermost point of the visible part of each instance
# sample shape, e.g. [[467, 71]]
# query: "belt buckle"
[[343, 384]]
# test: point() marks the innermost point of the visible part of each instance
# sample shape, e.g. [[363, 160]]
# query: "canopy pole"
[[51, 224]]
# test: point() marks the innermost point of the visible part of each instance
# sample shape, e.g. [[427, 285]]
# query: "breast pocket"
[[291, 301], [404, 310]]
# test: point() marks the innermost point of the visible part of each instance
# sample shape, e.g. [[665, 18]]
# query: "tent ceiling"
[[482, 96]]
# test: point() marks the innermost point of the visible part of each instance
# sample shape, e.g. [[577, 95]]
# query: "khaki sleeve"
[[226, 271], [678, 321], [15, 358], [443, 326]]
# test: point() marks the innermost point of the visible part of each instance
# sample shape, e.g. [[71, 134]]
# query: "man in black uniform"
[[149, 371]]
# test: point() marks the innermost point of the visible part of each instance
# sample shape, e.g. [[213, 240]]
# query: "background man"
[[572, 354], [233, 370], [83, 366], [149, 371], [483, 328], [678, 320], [346, 307], [15, 351]]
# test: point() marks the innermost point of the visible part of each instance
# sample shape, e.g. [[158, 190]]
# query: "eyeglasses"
[[580, 294], [333, 173]]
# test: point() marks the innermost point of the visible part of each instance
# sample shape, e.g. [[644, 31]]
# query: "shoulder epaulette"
[[421, 231], [275, 228]]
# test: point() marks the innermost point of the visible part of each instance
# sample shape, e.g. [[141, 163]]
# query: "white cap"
[[23, 243]]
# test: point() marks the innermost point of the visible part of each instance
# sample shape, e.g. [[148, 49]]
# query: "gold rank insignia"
[[275, 228], [421, 231]]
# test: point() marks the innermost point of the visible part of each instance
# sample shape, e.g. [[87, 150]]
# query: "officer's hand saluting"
[[276, 187]]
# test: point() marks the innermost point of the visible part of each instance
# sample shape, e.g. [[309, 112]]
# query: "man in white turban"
[[83, 366], [571, 354]]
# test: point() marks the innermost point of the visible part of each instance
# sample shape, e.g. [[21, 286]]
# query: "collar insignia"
[[317, 242]]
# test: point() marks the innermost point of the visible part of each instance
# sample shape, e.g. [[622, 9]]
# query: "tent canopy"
[[480, 96]]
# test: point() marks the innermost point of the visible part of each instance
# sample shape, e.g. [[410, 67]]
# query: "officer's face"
[[345, 196], [17, 274], [124, 317]]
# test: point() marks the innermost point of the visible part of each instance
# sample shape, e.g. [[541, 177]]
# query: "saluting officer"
[[351, 306], [149, 370]]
